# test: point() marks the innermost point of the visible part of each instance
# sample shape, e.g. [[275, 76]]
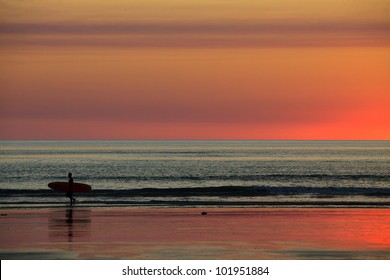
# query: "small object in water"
[[204, 213]]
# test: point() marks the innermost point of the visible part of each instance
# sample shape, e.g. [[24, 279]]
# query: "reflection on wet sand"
[[71, 225], [117, 233]]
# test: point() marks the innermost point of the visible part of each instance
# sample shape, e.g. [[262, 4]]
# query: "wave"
[[221, 191], [271, 177]]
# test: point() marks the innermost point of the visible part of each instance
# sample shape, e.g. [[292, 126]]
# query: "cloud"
[[146, 28], [273, 111], [196, 34]]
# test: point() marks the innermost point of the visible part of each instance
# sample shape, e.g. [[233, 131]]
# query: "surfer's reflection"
[[69, 221], [69, 225]]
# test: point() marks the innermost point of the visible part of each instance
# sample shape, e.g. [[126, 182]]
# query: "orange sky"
[[194, 69]]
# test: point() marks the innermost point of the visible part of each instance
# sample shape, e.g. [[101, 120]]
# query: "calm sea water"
[[198, 173]]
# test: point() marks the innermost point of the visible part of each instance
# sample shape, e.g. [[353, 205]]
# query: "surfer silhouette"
[[69, 193]]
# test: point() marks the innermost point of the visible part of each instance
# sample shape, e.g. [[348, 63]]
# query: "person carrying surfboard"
[[70, 187], [69, 193]]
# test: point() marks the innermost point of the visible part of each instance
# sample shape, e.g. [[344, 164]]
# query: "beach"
[[195, 233]]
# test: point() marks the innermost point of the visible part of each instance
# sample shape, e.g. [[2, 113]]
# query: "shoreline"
[[186, 233], [201, 204]]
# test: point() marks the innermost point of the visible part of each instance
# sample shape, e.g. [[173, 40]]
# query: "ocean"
[[197, 173]]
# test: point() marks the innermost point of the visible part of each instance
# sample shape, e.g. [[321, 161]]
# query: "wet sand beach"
[[186, 233]]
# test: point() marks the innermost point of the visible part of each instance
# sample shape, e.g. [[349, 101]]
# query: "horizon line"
[[206, 139]]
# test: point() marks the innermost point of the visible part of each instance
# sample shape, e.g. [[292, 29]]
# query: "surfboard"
[[64, 187]]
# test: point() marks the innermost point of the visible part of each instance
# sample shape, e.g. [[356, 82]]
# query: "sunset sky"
[[195, 69]]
